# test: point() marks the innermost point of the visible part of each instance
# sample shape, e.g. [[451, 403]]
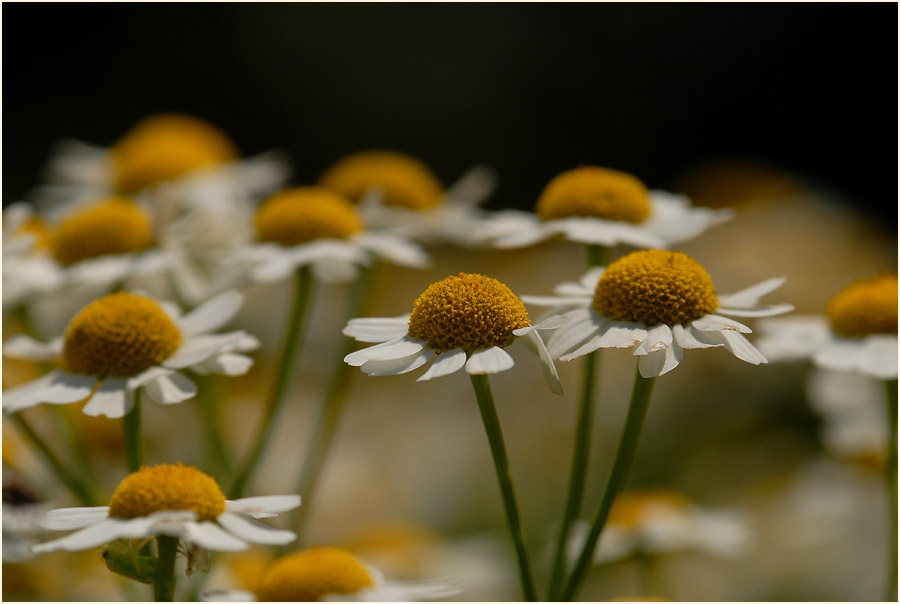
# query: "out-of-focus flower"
[[599, 206], [173, 500], [123, 342], [28, 267], [21, 512], [858, 332], [463, 321], [332, 574], [657, 302], [399, 193]]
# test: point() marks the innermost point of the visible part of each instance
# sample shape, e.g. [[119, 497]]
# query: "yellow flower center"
[[633, 508], [653, 287], [119, 335], [311, 574], [866, 307], [471, 312], [303, 214], [403, 181], [164, 147], [167, 487], [111, 226], [594, 192]]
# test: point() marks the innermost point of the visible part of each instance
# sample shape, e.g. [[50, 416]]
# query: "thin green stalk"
[[330, 411], [640, 400], [164, 586], [597, 255], [488, 410], [131, 434], [891, 484], [579, 471], [302, 288], [73, 482]]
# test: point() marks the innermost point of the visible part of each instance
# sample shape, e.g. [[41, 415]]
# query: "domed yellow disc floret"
[[164, 147], [302, 214], [311, 574], [868, 306], [167, 487], [653, 287], [110, 226], [594, 192], [119, 335], [632, 508], [403, 180], [471, 312]]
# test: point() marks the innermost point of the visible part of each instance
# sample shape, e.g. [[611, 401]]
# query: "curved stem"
[[501, 464], [891, 484], [164, 586], [131, 435], [640, 400], [302, 287]]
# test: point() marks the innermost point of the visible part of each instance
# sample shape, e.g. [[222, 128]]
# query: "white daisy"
[[28, 268], [22, 512], [461, 321], [123, 342], [332, 574], [858, 332], [316, 227], [657, 302], [176, 501], [399, 193], [598, 206]]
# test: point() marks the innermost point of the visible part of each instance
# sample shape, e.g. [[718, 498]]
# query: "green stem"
[[640, 400], [331, 408], [578, 473], [131, 434], [302, 287], [486, 406], [164, 586], [891, 484], [73, 482], [597, 255]]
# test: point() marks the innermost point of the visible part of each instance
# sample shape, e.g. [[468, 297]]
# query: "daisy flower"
[[399, 193], [28, 267], [858, 332], [123, 342], [171, 500], [312, 226], [332, 574], [657, 302], [461, 321], [599, 206]]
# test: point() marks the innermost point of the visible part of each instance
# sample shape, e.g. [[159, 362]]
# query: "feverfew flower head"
[[858, 332], [465, 321], [599, 206], [28, 266], [174, 500], [123, 342], [657, 302]]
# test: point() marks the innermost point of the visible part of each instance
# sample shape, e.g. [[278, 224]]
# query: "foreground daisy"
[[657, 302], [332, 574], [599, 206], [124, 342]]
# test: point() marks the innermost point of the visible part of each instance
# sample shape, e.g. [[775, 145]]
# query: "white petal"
[[336, 270], [589, 279], [660, 361], [264, 506], [274, 268], [686, 338], [377, 329], [446, 363], [402, 348], [86, 538], [67, 519], [606, 232], [397, 366], [740, 346], [112, 399], [473, 187], [228, 363], [657, 338], [395, 249], [211, 315], [581, 325], [57, 387], [201, 347], [765, 311], [227, 595], [357, 358], [610, 335], [103, 270], [25, 347], [212, 537], [717, 323], [254, 532], [749, 297], [172, 388], [795, 338], [489, 360], [556, 301], [879, 357], [534, 341]]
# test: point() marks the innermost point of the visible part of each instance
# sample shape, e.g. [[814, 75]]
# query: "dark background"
[[532, 89]]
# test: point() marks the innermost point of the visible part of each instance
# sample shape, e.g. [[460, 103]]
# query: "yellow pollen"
[[120, 334], [467, 311], [167, 487], [110, 226], [403, 180], [311, 574], [653, 287], [164, 147], [866, 307], [633, 508], [303, 214], [594, 192]]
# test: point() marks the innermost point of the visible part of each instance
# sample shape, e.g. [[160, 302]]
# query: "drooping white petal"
[[112, 399], [198, 348], [553, 321], [67, 519], [21, 346], [254, 532], [57, 387], [445, 364], [403, 347], [749, 297], [211, 315], [717, 323], [489, 360], [686, 338], [213, 537], [395, 249], [357, 358], [581, 326], [612, 334], [660, 361], [740, 346], [657, 338], [266, 506], [228, 363], [171, 388], [397, 366], [535, 342], [377, 329]]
